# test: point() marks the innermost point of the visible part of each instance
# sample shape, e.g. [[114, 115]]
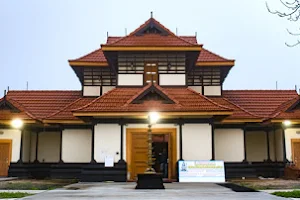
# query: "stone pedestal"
[[150, 181]]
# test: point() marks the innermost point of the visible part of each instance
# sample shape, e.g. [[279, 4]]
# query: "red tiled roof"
[[95, 56], [117, 100], [259, 102], [286, 110], [151, 40], [43, 103], [238, 112], [208, 56], [66, 112]]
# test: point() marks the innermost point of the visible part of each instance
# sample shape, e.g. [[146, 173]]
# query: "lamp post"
[[150, 179], [153, 117]]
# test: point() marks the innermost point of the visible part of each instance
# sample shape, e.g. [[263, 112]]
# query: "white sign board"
[[201, 171], [109, 161]]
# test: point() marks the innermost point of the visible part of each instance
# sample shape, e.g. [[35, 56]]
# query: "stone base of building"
[[91, 172], [82, 171]]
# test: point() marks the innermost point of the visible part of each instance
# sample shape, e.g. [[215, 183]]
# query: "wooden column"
[[180, 140], [36, 147], [245, 144], [60, 146], [283, 145], [268, 145], [121, 142], [93, 144], [212, 141], [20, 161]]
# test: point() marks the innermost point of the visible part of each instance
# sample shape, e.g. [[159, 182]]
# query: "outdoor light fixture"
[[16, 123], [153, 117], [287, 122]]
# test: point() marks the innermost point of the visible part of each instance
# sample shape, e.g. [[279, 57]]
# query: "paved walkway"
[[8, 178], [174, 191]]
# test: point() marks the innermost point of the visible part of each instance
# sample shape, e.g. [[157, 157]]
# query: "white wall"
[[172, 79], [290, 133], [229, 145], [48, 147], [76, 145], [196, 142], [15, 136], [130, 79], [212, 90], [107, 141], [196, 88], [91, 90], [256, 145], [279, 145], [105, 89]]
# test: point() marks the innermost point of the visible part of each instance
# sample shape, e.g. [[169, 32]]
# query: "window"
[[150, 73]]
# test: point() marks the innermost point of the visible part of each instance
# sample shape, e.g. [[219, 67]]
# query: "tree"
[[292, 13]]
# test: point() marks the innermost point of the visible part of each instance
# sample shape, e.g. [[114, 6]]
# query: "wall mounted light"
[[17, 123], [287, 122]]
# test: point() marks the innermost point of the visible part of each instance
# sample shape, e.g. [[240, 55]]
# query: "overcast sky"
[[38, 37]]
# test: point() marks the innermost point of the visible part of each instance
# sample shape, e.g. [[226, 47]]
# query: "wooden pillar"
[[212, 141], [93, 144], [60, 146], [268, 145], [20, 161], [121, 142], [245, 144], [180, 140], [36, 147], [283, 145]]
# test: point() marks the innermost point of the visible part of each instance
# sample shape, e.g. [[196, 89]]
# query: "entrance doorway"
[[160, 153], [296, 152], [5, 156], [164, 151]]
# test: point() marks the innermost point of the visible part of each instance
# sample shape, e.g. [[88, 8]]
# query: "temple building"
[[74, 134]]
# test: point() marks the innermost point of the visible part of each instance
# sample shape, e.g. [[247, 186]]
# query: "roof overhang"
[[88, 64], [145, 114], [63, 121], [241, 120], [217, 64], [293, 121], [151, 48], [25, 121]]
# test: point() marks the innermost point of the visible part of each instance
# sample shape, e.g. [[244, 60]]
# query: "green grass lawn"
[[292, 194], [7, 195]]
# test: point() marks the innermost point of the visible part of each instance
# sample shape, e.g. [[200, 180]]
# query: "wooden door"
[[150, 73], [139, 154], [5, 148], [296, 152]]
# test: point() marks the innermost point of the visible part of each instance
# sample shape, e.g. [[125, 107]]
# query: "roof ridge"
[[241, 108], [221, 106], [158, 23], [59, 111], [87, 105], [278, 111]]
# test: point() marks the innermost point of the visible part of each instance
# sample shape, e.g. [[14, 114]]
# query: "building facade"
[[70, 134]]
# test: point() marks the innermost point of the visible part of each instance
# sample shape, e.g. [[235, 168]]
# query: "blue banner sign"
[[201, 171]]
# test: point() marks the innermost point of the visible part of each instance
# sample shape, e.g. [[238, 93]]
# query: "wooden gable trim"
[[152, 89], [217, 64], [90, 64], [6, 104]]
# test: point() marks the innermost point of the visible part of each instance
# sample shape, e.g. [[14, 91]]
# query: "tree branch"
[[293, 45]]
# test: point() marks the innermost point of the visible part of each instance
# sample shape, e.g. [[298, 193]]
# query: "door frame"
[[292, 145], [8, 141], [172, 147]]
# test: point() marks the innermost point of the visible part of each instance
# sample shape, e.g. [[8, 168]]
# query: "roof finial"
[[151, 14], [125, 31], [176, 31], [4, 94], [196, 34]]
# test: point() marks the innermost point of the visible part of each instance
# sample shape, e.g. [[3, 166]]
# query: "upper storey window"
[[150, 73]]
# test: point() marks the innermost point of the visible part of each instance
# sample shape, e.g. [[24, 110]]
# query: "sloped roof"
[[42, 103], [259, 102], [186, 99]]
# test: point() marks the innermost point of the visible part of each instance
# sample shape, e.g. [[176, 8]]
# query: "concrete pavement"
[[174, 191]]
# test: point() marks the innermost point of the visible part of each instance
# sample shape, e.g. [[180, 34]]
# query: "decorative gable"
[[152, 93], [6, 105], [152, 27]]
